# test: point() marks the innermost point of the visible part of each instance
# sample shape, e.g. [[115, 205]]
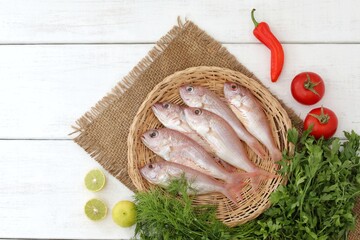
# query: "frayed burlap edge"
[[91, 145]]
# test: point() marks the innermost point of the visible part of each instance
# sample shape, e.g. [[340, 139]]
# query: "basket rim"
[[133, 128]]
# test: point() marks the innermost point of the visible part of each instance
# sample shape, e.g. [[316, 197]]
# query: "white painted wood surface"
[[56, 62], [89, 21], [42, 194]]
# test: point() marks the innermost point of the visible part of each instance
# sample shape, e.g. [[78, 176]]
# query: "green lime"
[[124, 213], [95, 209], [95, 180]]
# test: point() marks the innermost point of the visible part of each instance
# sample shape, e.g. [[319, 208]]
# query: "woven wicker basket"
[[213, 78]]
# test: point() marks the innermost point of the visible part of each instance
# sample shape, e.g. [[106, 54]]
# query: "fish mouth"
[[146, 143], [142, 171], [156, 107], [182, 91], [143, 139], [159, 112]]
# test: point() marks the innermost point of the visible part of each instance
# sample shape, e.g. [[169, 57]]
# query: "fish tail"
[[257, 176], [233, 191], [225, 165], [255, 182], [263, 175], [275, 155], [239, 177], [258, 149]]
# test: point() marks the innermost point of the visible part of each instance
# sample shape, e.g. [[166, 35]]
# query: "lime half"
[[95, 180], [95, 209]]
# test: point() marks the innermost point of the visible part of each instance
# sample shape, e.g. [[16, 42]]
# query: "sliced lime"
[[95, 209], [95, 180]]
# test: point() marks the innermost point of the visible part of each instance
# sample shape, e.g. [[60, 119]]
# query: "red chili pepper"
[[264, 34]]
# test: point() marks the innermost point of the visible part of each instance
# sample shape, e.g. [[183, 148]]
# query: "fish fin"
[[276, 155], [238, 177], [258, 149], [185, 161], [225, 100], [233, 191], [200, 140], [176, 121], [254, 181], [243, 119], [226, 166], [256, 177], [216, 147], [241, 114]]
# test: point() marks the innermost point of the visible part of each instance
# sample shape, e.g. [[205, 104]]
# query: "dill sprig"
[[170, 215]]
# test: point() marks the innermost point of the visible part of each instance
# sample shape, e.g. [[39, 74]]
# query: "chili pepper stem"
[[253, 18], [323, 118], [309, 85]]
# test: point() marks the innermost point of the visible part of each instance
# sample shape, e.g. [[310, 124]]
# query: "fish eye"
[[233, 87], [151, 166], [189, 88], [166, 105], [197, 112], [153, 134]]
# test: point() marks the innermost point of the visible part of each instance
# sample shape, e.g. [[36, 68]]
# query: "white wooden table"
[[59, 57]]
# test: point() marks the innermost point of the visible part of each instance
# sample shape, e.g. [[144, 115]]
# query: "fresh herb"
[[323, 182], [317, 202], [166, 215]]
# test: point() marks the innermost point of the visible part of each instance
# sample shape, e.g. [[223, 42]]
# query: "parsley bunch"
[[323, 183]]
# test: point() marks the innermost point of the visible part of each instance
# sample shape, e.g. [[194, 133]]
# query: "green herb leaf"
[[293, 136]]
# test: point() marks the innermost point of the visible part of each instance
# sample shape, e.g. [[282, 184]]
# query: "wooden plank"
[[107, 21], [42, 194], [44, 89]]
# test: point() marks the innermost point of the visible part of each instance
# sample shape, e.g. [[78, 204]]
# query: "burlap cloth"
[[103, 131]]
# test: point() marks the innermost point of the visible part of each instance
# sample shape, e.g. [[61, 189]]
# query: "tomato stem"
[[253, 18], [323, 118], [309, 85]]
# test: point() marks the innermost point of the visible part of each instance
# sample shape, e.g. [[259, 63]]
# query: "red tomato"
[[324, 122], [307, 88]]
